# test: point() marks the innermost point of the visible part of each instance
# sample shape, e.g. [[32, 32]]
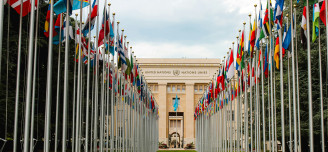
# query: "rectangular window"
[[200, 88], [196, 88], [178, 88], [183, 88], [173, 88], [169, 88]]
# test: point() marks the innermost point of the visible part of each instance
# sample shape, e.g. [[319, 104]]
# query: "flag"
[[111, 39], [77, 4], [70, 31], [102, 34], [249, 39], [231, 68], [46, 23], [322, 12], [253, 73], [253, 37], [240, 52], [276, 53], [287, 38], [61, 5], [265, 68], [16, 5], [278, 13], [259, 29], [266, 23], [259, 65], [315, 26], [304, 28], [90, 19]]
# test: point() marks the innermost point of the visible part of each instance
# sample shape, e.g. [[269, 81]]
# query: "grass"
[[176, 151]]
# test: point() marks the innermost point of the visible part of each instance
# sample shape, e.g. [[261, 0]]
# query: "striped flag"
[[16, 4]]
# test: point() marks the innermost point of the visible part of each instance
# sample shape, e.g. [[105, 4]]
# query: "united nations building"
[[185, 79]]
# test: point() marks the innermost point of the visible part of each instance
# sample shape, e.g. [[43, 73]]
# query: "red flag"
[[16, 4], [322, 12]]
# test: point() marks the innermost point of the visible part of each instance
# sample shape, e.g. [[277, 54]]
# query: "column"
[[163, 115], [189, 114]]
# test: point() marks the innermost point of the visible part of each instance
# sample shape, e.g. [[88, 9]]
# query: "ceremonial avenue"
[[154, 76]]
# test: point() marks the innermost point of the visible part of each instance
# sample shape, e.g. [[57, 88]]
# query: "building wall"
[[192, 75]]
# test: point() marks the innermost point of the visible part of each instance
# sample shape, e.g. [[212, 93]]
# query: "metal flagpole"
[[79, 86], [321, 97], [34, 75], [297, 87], [65, 105], [281, 92], [112, 99], [309, 78], [96, 117], [47, 131], [289, 97], [88, 87], [74, 83], [18, 66], [293, 77], [263, 109], [29, 73], [58, 84], [1, 29]]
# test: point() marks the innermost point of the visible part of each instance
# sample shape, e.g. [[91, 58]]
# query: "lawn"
[[176, 151]]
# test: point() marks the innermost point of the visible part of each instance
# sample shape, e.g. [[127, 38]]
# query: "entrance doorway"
[[176, 130]]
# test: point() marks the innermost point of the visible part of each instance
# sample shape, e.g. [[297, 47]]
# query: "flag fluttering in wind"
[[322, 12], [304, 28], [176, 103], [16, 5], [231, 67], [315, 26], [278, 13], [90, 19]]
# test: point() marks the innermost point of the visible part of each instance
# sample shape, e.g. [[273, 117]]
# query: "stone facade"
[[184, 78]]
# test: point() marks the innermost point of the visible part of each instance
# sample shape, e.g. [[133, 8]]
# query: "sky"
[[182, 28]]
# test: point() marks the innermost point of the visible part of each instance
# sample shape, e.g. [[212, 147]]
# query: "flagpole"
[[293, 76], [281, 92], [1, 29], [263, 109], [297, 89], [65, 105], [309, 78], [74, 79], [34, 75], [88, 86], [58, 84], [321, 97], [18, 66], [29, 74], [289, 97]]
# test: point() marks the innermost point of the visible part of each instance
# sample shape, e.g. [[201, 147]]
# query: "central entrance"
[[176, 130]]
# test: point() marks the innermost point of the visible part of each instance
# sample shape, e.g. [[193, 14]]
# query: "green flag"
[[315, 26]]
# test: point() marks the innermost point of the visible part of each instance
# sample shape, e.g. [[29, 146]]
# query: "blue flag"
[[288, 38], [176, 103], [60, 7]]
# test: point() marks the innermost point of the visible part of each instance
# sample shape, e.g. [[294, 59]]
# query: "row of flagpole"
[[124, 114], [226, 97]]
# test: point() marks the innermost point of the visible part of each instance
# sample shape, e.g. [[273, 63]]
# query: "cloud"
[[181, 28]]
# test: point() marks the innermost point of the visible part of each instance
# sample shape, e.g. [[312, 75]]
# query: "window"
[[201, 88], [169, 88], [183, 88], [196, 88], [173, 88], [178, 88]]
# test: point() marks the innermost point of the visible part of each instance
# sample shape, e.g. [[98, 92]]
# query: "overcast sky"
[[182, 28]]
